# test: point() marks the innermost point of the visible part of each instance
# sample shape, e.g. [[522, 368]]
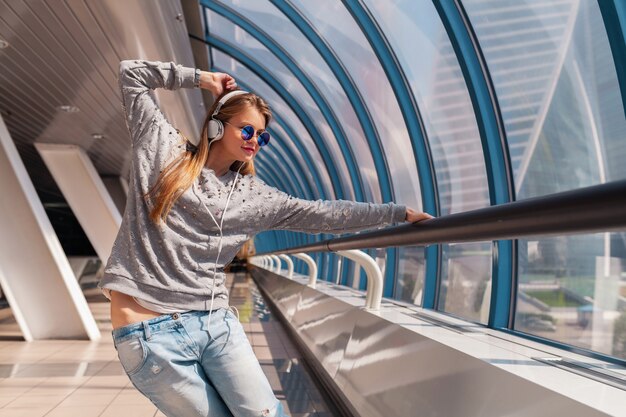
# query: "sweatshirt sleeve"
[[331, 216], [137, 79]]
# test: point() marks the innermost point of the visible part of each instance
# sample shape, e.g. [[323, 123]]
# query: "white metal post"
[[312, 267], [37, 279], [374, 277], [289, 265]]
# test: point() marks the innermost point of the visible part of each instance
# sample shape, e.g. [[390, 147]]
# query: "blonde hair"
[[180, 174]]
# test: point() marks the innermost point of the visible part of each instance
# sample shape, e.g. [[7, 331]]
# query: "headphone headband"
[[216, 128], [224, 99]]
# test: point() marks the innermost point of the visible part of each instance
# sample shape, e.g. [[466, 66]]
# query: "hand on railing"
[[415, 216]]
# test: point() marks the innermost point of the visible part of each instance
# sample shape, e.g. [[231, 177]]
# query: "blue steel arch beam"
[[408, 106], [275, 159], [275, 162], [285, 152], [296, 187], [346, 271], [260, 71], [302, 184], [268, 175], [270, 163], [281, 156], [320, 189], [495, 148], [417, 132], [614, 17], [283, 56], [282, 177], [352, 93], [279, 236], [273, 83], [362, 113], [308, 160]]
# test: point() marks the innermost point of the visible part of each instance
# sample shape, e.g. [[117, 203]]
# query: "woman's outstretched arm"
[[137, 79], [332, 216]]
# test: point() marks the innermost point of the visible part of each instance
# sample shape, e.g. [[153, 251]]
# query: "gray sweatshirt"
[[172, 264]]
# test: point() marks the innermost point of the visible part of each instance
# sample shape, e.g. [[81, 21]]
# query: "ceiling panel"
[[67, 53]]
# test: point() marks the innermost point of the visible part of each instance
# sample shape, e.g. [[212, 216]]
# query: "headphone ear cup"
[[216, 129]]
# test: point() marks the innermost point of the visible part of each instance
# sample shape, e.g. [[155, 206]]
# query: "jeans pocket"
[[132, 353]]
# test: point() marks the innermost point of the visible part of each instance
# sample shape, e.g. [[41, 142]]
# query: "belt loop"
[[146, 329]]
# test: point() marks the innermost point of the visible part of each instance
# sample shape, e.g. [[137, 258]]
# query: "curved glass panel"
[[224, 29], [336, 25], [412, 271], [238, 70], [466, 280], [573, 289], [274, 126], [289, 37], [555, 78], [441, 94]]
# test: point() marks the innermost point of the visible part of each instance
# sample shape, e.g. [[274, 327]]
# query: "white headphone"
[[216, 127]]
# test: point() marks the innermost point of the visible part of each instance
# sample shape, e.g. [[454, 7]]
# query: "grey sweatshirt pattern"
[[172, 263]]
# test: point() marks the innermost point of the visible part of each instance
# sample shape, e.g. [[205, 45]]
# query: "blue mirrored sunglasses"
[[247, 133]]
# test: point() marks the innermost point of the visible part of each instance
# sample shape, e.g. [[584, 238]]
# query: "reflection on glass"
[[289, 37], [466, 280], [239, 71], [444, 102], [557, 87], [333, 22], [225, 29], [411, 273], [573, 289]]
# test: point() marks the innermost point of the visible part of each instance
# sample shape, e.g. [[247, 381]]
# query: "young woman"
[[189, 209]]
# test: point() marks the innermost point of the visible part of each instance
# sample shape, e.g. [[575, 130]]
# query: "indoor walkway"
[[61, 378]]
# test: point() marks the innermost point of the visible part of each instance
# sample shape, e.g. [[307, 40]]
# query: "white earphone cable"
[[219, 246]]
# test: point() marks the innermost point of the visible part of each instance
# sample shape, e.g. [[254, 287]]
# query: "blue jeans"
[[172, 360]]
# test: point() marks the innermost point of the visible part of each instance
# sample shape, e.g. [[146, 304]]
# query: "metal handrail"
[[599, 208]]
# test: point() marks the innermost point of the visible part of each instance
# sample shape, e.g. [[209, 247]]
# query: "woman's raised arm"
[[137, 78]]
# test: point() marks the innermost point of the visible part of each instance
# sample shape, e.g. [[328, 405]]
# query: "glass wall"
[[289, 37], [224, 29], [335, 24], [556, 87], [555, 79], [425, 53], [423, 48], [573, 289], [411, 274], [466, 280]]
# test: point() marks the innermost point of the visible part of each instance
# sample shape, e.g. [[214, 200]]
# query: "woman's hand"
[[414, 216], [217, 82]]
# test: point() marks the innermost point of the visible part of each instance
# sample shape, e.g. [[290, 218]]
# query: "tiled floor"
[[59, 378]]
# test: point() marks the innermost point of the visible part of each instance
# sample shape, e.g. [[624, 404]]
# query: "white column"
[[35, 274], [85, 192]]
